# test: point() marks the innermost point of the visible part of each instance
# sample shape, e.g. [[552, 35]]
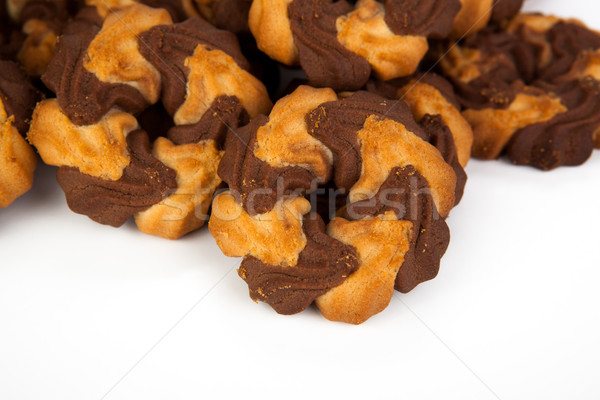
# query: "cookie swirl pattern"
[[390, 234], [530, 90], [112, 64], [339, 45]]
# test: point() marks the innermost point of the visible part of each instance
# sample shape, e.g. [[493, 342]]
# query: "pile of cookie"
[[337, 194]]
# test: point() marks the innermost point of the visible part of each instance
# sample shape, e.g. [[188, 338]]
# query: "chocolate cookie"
[[339, 45], [108, 69], [391, 232], [530, 90]]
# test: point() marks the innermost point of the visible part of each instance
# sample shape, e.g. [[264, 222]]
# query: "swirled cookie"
[[390, 234], [133, 57], [530, 90], [545, 125], [339, 45]]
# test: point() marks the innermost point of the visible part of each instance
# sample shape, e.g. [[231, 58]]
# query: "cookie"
[[17, 158], [339, 45], [109, 168], [529, 90], [391, 232]]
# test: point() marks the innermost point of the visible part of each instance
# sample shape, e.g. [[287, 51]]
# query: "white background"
[[93, 312]]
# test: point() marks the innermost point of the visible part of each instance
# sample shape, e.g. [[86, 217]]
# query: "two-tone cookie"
[[530, 90], [107, 71], [389, 234], [340, 46]]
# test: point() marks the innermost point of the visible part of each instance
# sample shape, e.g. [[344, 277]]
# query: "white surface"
[[92, 312]]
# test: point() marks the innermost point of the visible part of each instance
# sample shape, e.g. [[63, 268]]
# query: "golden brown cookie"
[[530, 90], [389, 235], [339, 45], [121, 62]]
